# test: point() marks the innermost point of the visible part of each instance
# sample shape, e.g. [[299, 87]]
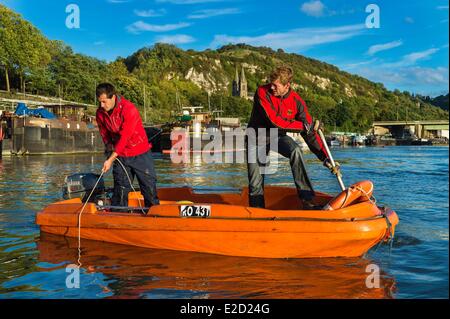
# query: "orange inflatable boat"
[[348, 225]]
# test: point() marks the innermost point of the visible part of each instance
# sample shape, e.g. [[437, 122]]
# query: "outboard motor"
[[80, 185]]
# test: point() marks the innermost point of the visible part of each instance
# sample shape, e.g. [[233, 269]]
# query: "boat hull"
[[230, 230], [52, 136]]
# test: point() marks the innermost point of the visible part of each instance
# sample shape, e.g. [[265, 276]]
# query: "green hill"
[[171, 77], [441, 101]]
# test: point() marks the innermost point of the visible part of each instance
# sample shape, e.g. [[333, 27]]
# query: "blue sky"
[[408, 52]]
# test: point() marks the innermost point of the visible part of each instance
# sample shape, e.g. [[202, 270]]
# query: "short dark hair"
[[105, 88]]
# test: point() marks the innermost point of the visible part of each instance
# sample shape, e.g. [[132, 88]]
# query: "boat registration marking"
[[195, 211]]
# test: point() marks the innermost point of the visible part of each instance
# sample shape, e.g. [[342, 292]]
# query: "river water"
[[413, 181]]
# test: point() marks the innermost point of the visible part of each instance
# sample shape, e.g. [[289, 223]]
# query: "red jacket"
[[123, 129], [288, 113]]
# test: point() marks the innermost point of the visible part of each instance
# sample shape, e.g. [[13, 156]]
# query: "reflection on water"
[[133, 272], [413, 181]]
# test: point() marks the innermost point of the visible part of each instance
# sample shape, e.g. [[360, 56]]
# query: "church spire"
[[235, 91], [243, 85], [243, 75]]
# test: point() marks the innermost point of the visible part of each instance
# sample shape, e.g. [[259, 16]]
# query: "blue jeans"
[[288, 148], [140, 166]]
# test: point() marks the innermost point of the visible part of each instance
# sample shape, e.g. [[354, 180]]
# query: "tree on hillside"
[[23, 48], [75, 76]]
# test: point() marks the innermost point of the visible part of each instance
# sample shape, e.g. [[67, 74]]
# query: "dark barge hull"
[[161, 142], [43, 136]]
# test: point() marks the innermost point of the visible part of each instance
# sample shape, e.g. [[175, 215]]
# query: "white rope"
[[79, 219], [371, 198], [373, 201], [87, 201]]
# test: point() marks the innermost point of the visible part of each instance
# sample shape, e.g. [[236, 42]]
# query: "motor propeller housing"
[[80, 185]]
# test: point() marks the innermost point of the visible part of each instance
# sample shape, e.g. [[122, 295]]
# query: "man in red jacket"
[[125, 139], [277, 106]]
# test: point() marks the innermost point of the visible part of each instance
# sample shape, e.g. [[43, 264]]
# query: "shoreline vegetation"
[[162, 78]]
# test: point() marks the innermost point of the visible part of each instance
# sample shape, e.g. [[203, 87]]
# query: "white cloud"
[[358, 64], [150, 13], [411, 59], [188, 1], [409, 20], [99, 43], [405, 74], [140, 26], [314, 8], [412, 77], [442, 7], [175, 39], [208, 13], [296, 39], [383, 47]]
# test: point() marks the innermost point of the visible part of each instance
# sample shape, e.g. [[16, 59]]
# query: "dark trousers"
[[142, 167], [288, 148]]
